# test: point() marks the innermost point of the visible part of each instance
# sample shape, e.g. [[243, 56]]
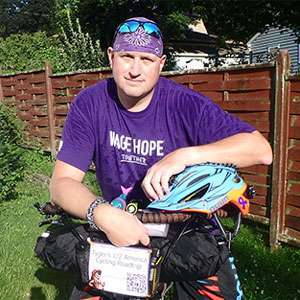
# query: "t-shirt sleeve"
[[77, 145], [216, 124]]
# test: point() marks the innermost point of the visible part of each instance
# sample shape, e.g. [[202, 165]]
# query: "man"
[[140, 129]]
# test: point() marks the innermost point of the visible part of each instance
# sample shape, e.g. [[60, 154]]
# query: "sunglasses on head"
[[133, 25]]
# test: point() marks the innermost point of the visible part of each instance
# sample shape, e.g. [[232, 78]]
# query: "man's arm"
[[68, 192], [243, 149]]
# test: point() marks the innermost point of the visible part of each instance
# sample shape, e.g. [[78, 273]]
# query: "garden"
[[25, 174], [72, 35]]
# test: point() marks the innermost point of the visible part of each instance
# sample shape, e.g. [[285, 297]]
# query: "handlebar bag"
[[57, 247], [197, 254]]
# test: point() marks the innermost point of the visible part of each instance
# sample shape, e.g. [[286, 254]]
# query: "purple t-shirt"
[[123, 144]]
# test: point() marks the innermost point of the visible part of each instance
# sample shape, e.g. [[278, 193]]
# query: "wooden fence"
[[263, 95]]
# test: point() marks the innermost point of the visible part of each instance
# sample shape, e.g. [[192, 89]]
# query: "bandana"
[[138, 34]]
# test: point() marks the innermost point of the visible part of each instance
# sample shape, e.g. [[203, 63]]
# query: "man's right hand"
[[120, 227]]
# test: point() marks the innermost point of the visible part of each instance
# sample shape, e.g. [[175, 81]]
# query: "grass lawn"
[[264, 275]]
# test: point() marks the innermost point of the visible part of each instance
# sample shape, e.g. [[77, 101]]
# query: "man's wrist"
[[189, 155], [90, 213]]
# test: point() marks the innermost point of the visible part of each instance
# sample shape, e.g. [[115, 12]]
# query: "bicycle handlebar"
[[50, 210]]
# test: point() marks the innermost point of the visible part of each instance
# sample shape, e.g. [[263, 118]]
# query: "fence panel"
[[27, 93], [64, 88], [291, 232], [246, 93]]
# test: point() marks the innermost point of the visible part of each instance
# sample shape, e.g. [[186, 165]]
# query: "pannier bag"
[[197, 254]]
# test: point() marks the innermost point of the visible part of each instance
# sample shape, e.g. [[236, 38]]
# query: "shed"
[[201, 50]]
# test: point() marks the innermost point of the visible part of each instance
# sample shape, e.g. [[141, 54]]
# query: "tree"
[[29, 16], [240, 20], [229, 19], [100, 17], [18, 16], [64, 10]]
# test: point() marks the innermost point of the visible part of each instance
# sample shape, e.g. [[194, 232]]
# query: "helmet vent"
[[197, 195], [199, 178]]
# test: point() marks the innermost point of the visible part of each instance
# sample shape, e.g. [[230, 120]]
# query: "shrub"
[[71, 51], [80, 49], [12, 163], [20, 52]]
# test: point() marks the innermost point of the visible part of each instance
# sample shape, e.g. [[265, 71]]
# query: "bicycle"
[[187, 221]]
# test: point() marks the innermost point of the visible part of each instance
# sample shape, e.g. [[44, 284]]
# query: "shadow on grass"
[[265, 274], [63, 282], [37, 294]]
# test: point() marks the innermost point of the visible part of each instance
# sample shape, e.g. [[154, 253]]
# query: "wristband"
[[90, 212]]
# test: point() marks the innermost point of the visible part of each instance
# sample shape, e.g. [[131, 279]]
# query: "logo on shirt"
[[135, 150]]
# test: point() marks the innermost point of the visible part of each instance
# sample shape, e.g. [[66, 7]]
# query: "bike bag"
[[59, 248], [197, 254]]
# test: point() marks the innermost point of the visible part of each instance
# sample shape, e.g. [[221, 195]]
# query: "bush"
[[12, 163], [80, 49], [71, 51], [20, 52]]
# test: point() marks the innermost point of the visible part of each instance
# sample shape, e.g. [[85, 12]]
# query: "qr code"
[[136, 283]]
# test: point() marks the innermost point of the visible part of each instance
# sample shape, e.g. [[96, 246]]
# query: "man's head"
[[136, 59]]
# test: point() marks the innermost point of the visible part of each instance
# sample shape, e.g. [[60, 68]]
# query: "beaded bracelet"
[[90, 212]]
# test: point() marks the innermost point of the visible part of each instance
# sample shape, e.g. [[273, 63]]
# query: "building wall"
[[191, 61], [273, 38], [201, 61]]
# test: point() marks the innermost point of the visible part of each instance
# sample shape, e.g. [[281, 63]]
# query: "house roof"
[[198, 26], [196, 40]]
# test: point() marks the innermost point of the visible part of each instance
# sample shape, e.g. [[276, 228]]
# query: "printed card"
[[122, 270]]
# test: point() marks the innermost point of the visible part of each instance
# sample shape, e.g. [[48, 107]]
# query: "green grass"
[[264, 275]]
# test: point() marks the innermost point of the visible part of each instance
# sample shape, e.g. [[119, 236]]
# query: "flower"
[[138, 38]]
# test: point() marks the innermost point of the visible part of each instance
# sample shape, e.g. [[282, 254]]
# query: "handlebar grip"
[[49, 209], [162, 218]]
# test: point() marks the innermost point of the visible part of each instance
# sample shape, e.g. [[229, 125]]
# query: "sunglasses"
[[133, 25]]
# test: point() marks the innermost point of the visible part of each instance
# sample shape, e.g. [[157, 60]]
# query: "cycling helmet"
[[205, 188]]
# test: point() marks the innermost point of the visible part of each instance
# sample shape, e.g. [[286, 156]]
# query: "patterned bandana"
[[138, 34]]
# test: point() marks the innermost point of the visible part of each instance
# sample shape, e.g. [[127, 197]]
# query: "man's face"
[[135, 73]]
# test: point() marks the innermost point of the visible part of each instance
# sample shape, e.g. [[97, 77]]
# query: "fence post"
[[50, 109], [1, 90], [280, 148]]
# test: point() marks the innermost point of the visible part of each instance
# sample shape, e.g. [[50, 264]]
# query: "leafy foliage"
[[21, 52], [79, 48], [12, 163], [18, 16], [101, 17], [240, 20], [74, 51], [230, 19], [64, 9]]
